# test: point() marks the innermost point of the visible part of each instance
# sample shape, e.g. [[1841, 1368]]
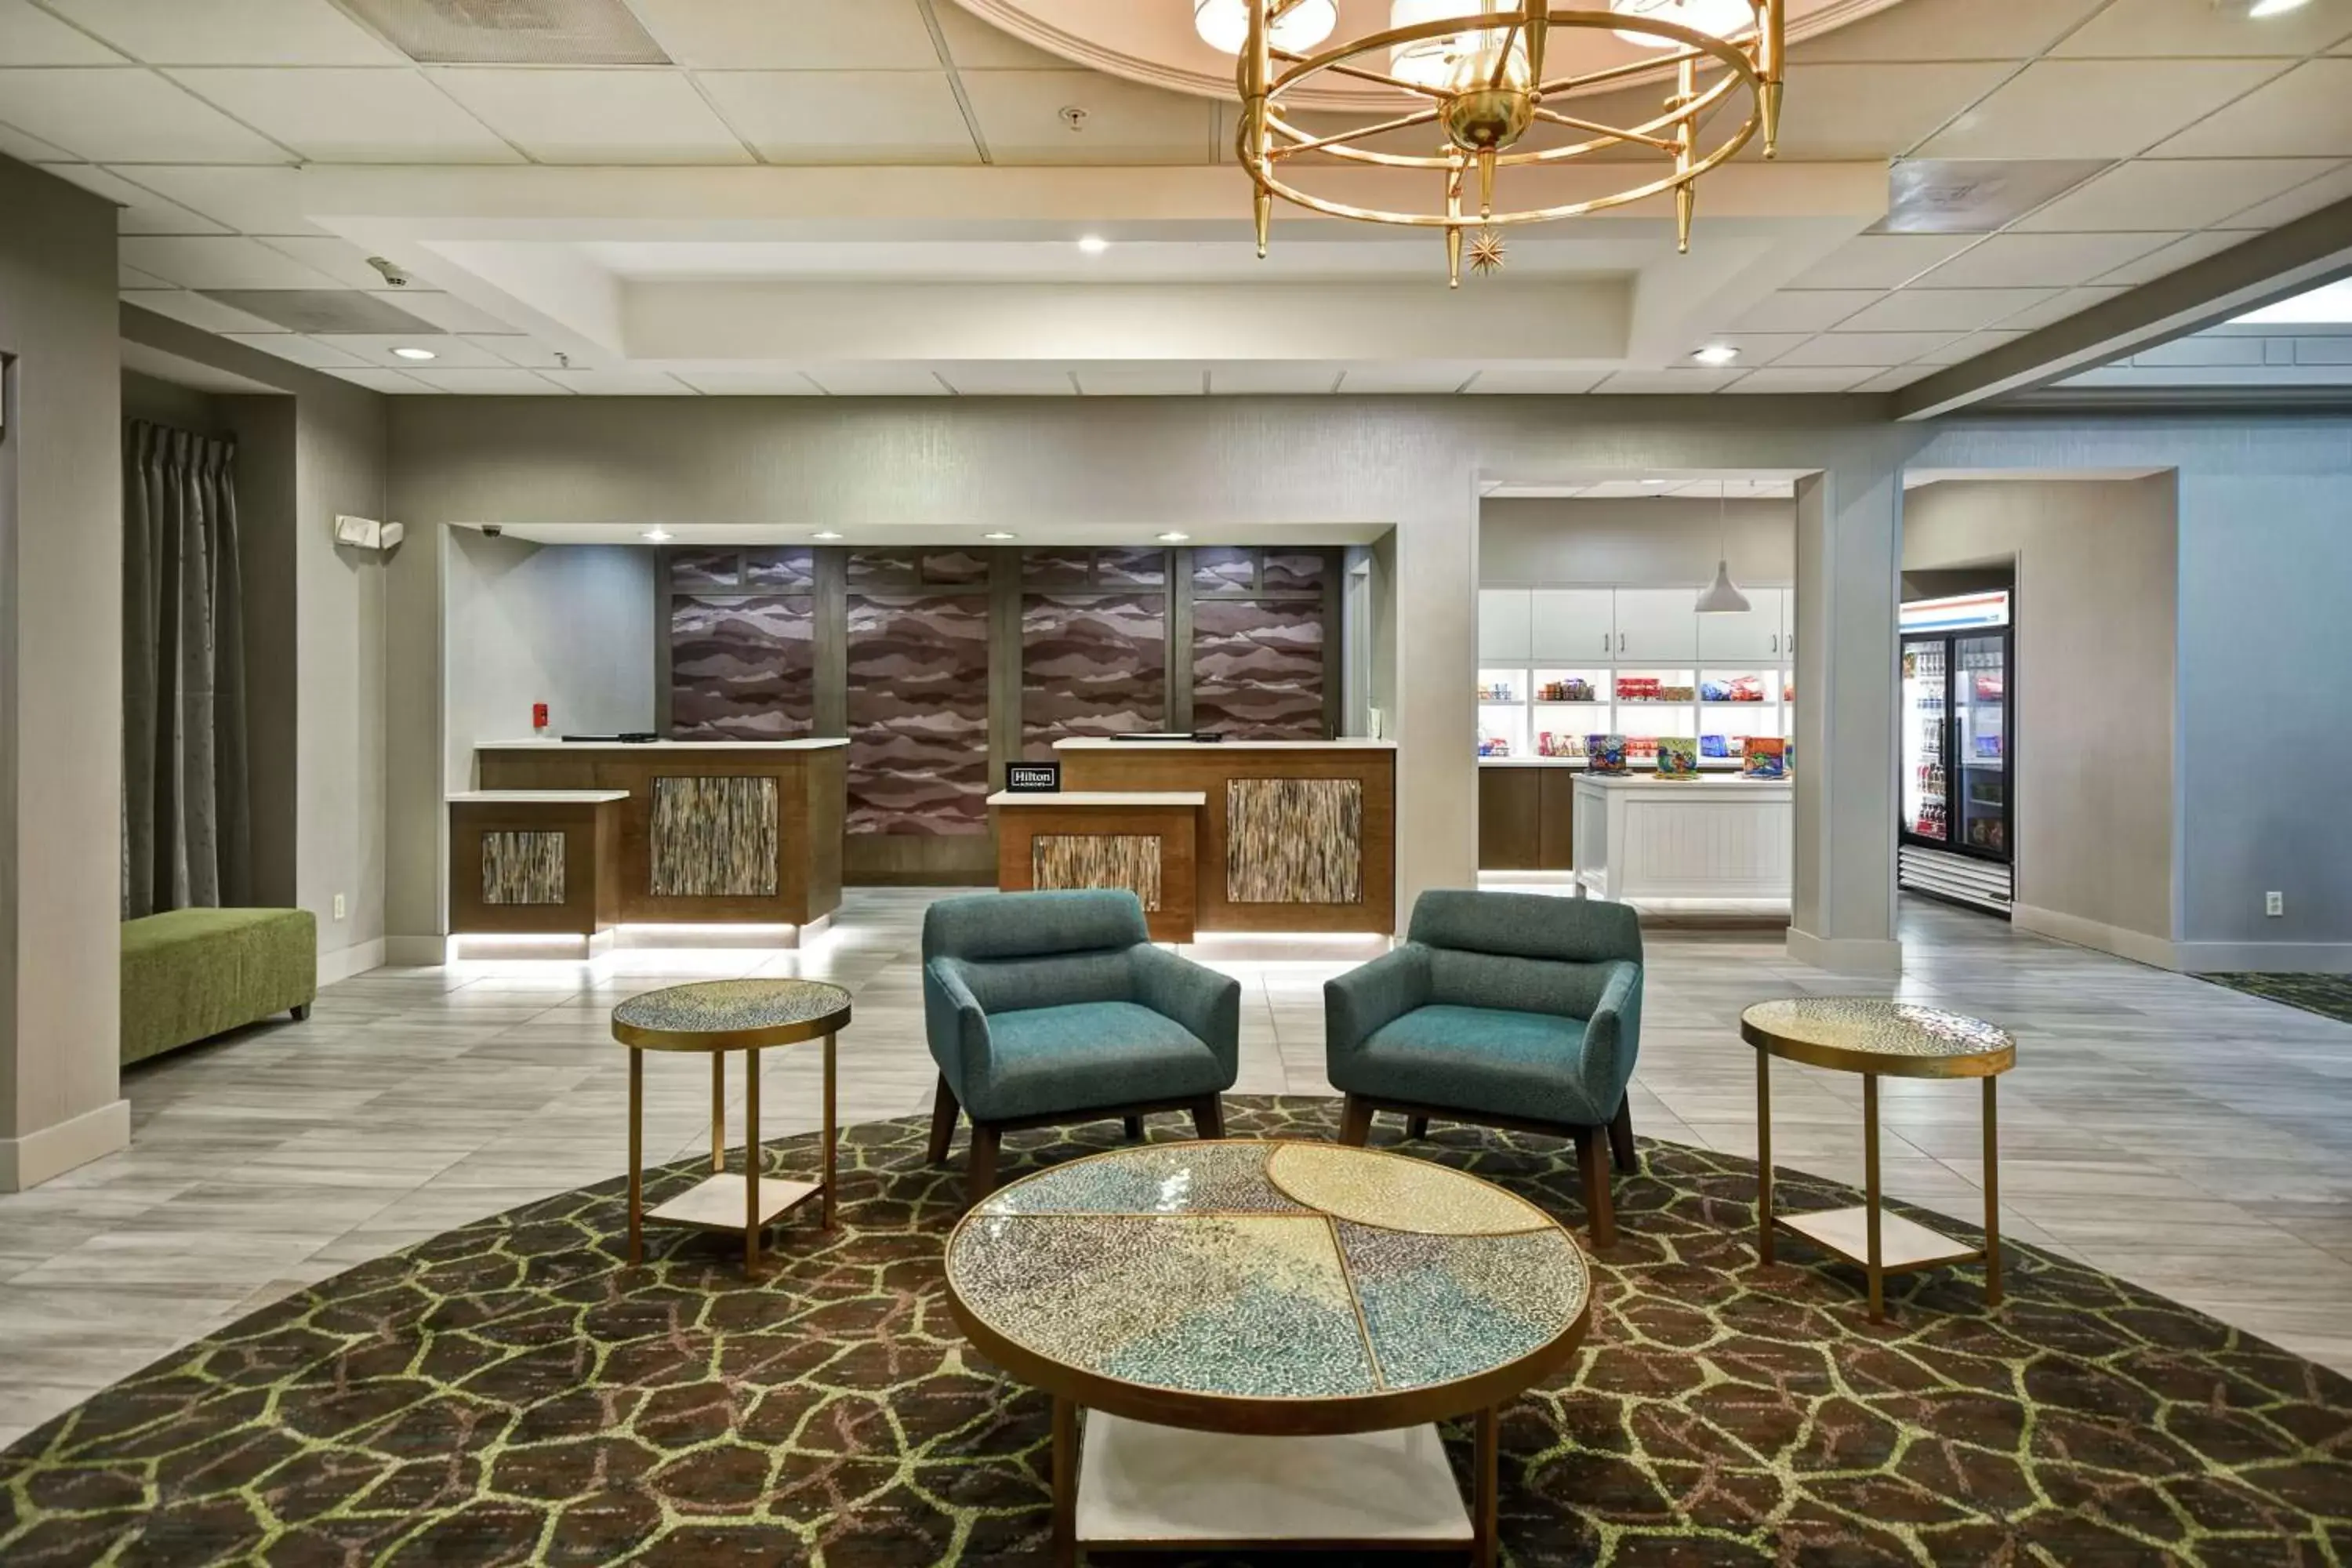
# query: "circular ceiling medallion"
[[1154, 41]]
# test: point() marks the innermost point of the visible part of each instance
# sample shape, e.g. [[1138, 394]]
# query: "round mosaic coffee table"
[[716, 1017], [1265, 1335], [1876, 1038]]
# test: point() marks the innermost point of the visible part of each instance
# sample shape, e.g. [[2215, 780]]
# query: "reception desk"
[[710, 833], [1704, 840], [535, 862], [1294, 835], [1142, 841]]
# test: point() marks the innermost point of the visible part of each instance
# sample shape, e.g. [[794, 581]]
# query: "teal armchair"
[[1509, 1010], [1043, 1009]]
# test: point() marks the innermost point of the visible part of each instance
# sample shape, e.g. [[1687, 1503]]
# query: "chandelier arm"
[[1354, 73], [1558, 85], [1611, 132], [1502, 55], [1321, 143]]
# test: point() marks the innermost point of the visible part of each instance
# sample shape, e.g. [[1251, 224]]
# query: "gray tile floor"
[[2190, 1139]]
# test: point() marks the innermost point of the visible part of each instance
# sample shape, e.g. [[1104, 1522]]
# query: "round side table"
[[715, 1017], [1876, 1038]]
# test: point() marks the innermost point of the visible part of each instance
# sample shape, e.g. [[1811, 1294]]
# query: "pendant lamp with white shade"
[[1722, 596]]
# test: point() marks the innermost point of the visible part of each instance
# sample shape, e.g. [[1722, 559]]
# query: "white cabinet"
[[1503, 626], [1750, 638], [1657, 626], [1788, 625], [1574, 626]]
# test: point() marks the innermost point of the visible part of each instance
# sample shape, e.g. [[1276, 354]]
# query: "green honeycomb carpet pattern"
[[2329, 995], [509, 1392]]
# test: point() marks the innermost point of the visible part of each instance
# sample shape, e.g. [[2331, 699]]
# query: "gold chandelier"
[[1482, 71]]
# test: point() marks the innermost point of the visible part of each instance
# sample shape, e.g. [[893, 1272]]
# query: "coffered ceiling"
[[883, 197]]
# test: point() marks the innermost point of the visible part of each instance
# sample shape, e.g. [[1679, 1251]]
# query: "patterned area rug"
[[2329, 995], [509, 1394]]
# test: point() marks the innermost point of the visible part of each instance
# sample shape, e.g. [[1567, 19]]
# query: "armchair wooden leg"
[[1134, 1127], [1416, 1126], [1621, 1137], [943, 1121], [1594, 1164], [1356, 1123], [981, 1179], [1209, 1117]]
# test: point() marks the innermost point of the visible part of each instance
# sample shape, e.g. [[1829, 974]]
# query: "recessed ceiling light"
[[1093, 244], [657, 535], [1173, 538], [416, 353], [825, 533], [2276, 7], [1000, 535], [1716, 353]]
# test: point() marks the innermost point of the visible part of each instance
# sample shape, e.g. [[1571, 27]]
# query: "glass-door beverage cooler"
[[1953, 838]]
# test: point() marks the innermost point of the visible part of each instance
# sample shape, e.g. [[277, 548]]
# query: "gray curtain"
[[185, 838]]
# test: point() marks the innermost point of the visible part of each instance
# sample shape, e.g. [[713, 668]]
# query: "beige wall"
[[2097, 608], [1668, 542], [60, 679]]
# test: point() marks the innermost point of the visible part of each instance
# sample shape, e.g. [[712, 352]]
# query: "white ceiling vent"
[[512, 32], [1937, 195], [322, 310]]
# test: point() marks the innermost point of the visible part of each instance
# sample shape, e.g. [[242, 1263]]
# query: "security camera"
[[491, 531], [394, 273]]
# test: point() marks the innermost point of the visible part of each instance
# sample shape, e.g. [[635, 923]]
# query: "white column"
[[1434, 631]]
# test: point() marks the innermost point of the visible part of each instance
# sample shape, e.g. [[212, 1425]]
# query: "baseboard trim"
[[2260, 957], [1846, 955], [346, 962], [2156, 952], [414, 952], [26, 1162]]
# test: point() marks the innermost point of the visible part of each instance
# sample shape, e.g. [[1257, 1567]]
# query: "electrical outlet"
[[339, 905], [2274, 904]]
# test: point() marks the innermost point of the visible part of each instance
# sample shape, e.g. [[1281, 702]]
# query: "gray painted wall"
[[1668, 542], [60, 679], [2092, 697]]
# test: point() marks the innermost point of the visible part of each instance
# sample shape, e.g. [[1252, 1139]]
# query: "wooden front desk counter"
[[1295, 835], [1144, 842], [535, 862]]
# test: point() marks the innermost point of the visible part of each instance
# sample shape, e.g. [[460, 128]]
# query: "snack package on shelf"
[[1677, 757], [1716, 746], [1605, 754], [1764, 757]]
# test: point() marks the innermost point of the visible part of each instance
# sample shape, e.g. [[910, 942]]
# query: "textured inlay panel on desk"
[[714, 837], [1058, 861], [522, 868], [1295, 841]]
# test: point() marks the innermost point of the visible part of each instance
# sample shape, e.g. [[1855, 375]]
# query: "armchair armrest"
[[953, 1025], [1612, 1036], [1358, 1003], [1205, 1002]]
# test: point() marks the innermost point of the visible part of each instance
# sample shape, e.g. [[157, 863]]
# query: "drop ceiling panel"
[[1534, 381], [1839, 111], [386, 380], [638, 116], [1797, 381], [127, 117], [294, 346], [1885, 260], [2173, 193], [878, 381], [33, 37], [754, 383], [1755, 348], [1807, 310], [514, 349], [1140, 380], [792, 35], [2307, 112], [1942, 310], [251, 199], [27, 149], [1663, 382], [1869, 350], [141, 210], [342, 116], [844, 117], [1271, 379], [1899, 377], [1951, 30], [2095, 109], [205, 315], [1008, 380], [509, 32], [229, 32], [131, 278], [449, 352], [2175, 255], [1405, 378], [2300, 202], [339, 259], [2042, 261], [1969, 347], [217, 261], [2199, 29], [618, 384], [329, 312], [490, 382], [445, 311], [2072, 302], [1020, 119]]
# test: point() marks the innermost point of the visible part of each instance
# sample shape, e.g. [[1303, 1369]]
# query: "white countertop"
[[1718, 784], [1104, 798], [536, 797], [1101, 743], [812, 746]]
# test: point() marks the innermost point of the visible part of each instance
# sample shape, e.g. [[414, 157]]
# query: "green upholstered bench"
[[192, 973]]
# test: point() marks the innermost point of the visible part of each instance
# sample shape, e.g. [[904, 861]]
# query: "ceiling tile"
[[131, 278], [186, 305], [878, 381], [1806, 310], [1272, 378], [1902, 375], [844, 117], [344, 116], [1020, 119], [1969, 347], [1942, 310], [446, 312], [2042, 261], [328, 312], [509, 383], [2199, 28], [791, 35], [972, 44], [756, 383], [1950, 30], [229, 32], [618, 382], [514, 349], [1840, 111], [1868, 349], [1885, 260], [1798, 381], [390, 381], [127, 116], [33, 37], [1405, 378], [2300, 202], [142, 210], [1755, 348], [1649, 383], [2072, 302], [2095, 109], [639, 115], [222, 261], [1142, 379], [449, 352], [2172, 193], [27, 149], [250, 199], [1534, 381], [2309, 112], [337, 259], [296, 347], [2175, 255]]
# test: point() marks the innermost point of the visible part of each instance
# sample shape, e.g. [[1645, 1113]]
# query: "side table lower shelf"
[[1902, 1245], [718, 1202]]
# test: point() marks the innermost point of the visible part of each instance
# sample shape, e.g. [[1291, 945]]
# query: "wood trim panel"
[[1509, 819], [1555, 818], [1209, 769], [591, 832], [1176, 827]]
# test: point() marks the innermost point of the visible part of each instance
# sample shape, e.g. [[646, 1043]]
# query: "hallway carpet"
[[508, 1392]]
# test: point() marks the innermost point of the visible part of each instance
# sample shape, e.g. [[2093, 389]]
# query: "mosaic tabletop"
[[1273, 1271], [1870, 1034], [729, 1014]]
